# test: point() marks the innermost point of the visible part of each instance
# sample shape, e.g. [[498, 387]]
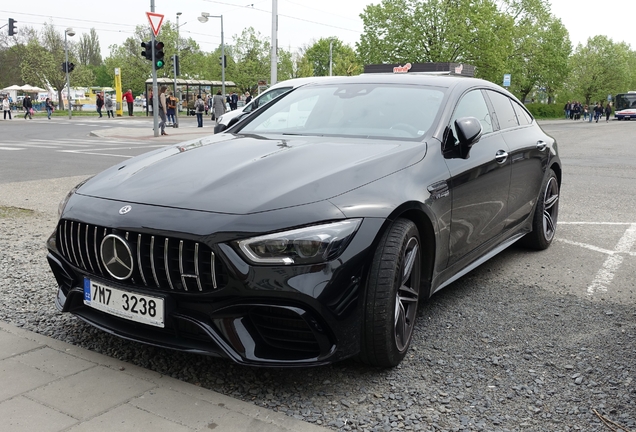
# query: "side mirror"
[[469, 131]]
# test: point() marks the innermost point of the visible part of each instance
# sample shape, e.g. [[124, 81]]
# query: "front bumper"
[[254, 315]]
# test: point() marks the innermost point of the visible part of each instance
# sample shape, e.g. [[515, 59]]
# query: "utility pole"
[[155, 95], [330, 57], [176, 60], [274, 55]]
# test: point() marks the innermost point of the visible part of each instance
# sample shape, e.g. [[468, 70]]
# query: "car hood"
[[248, 174]]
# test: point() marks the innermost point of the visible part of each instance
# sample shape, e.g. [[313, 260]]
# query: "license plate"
[[131, 306]]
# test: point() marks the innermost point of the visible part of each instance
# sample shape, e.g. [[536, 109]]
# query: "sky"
[[300, 22]]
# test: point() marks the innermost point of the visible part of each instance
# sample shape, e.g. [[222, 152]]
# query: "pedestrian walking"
[[108, 104], [129, 98], [48, 104], [28, 107], [172, 106], [608, 112], [99, 101], [163, 109], [218, 106], [598, 111], [199, 109], [566, 109], [6, 107], [585, 112]]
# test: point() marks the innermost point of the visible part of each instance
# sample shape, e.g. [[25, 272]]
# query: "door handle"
[[501, 156], [541, 145]]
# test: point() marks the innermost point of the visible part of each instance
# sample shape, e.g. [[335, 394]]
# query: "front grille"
[[285, 330], [163, 263]]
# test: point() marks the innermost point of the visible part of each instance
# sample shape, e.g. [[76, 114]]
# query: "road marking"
[[615, 257], [11, 148]]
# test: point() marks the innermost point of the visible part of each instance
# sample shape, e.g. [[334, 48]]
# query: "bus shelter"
[[187, 91]]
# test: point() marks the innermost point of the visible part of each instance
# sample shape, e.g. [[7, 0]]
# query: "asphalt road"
[[42, 149]]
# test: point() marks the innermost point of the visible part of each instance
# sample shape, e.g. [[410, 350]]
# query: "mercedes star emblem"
[[117, 257], [125, 209]]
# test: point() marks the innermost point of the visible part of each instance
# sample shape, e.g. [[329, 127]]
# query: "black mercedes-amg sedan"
[[309, 231]]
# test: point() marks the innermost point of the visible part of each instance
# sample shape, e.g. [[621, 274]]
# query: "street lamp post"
[[69, 31], [204, 18]]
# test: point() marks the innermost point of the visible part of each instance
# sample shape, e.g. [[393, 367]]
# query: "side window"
[[273, 94], [472, 104], [504, 113], [522, 115]]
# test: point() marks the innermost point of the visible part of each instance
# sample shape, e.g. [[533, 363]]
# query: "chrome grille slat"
[[157, 269], [183, 281], [88, 254], [95, 249], [139, 263], [196, 265], [152, 260], [212, 269], [165, 262], [76, 262], [79, 245]]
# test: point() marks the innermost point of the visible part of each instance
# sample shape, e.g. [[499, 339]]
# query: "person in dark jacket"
[[99, 101], [608, 112], [28, 106]]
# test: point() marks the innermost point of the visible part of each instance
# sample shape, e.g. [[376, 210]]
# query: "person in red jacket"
[[128, 97]]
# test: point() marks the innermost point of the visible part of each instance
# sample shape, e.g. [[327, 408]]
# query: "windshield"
[[355, 110], [625, 101]]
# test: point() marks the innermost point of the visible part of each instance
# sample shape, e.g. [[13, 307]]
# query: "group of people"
[[214, 104], [104, 102], [574, 110]]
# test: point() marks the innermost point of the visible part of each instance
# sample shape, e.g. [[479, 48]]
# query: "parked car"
[[264, 98], [310, 231]]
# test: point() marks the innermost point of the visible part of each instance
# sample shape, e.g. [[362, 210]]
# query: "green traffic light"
[[159, 64]]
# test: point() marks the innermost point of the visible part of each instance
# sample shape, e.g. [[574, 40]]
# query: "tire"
[[392, 295], [544, 221]]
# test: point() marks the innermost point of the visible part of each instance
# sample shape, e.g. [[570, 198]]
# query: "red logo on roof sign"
[[402, 69]]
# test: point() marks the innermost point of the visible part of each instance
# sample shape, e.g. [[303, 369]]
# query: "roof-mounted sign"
[[439, 68], [402, 69]]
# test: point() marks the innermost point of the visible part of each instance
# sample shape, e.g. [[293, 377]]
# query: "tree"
[[251, 53], [343, 58], [463, 31], [599, 68], [87, 49], [42, 58]]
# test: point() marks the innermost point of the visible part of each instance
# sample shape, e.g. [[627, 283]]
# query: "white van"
[[268, 95]]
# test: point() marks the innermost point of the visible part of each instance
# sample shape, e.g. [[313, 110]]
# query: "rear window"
[[504, 112]]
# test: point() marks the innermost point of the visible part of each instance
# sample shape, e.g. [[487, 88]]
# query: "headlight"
[[62, 204], [308, 245]]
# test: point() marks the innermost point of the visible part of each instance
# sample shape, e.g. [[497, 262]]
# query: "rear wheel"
[[393, 290], [546, 213]]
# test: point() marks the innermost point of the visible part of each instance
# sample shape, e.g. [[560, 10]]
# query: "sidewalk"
[[51, 386]]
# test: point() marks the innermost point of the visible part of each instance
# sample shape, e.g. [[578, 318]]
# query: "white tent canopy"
[[13, 87], [30, 89]]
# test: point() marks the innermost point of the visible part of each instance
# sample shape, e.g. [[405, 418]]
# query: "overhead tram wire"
[[287, 16], [320, 10]]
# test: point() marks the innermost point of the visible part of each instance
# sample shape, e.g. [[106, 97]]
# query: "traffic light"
[[223, 61], [147, 52], [13, 30], [175, 58], [71, 66], [63, 66], [159, 62]]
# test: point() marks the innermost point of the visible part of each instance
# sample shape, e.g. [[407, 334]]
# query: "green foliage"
[[599, 68], [545, 111], [343, 57], [252, 56]]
